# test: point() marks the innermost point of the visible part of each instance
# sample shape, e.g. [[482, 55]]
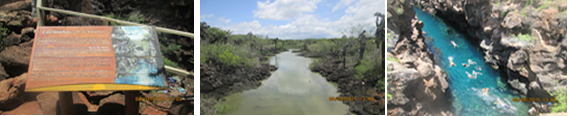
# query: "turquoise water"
[[467, 94]]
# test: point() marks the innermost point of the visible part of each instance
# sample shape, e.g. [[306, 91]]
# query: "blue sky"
[[290, 19]]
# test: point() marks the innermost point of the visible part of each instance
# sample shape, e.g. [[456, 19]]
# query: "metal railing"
[[40, 14]]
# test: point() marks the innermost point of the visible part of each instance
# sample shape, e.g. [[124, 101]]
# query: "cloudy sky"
[[290, 19]]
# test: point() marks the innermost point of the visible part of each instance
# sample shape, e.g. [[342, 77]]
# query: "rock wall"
[[417, 85], [532, 66]]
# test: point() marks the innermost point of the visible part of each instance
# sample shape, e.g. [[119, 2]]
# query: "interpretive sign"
[[91, 58]]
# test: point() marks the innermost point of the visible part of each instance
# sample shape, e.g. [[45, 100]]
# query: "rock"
[[15, 39], [397, 112], [400, 80], [441, 74], [28, 108], [78, 21], [51, 19], [548, 82], [181, 108], [11, 91], [16, 59], [48, 102], [3, 74], [4, 2], [12, 39], [15, 25], [14, 5], [534, 85], [516, 84], [27, 34], [114, 98], [99, 93], [426, 70], [517, 60]]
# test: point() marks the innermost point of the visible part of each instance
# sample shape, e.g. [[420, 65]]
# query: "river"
[[291, 90], [467, 94]]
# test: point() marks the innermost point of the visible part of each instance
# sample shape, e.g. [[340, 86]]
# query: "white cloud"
[[205, 16], [342, 3], [284, 9], [223, 20], [309, 25]]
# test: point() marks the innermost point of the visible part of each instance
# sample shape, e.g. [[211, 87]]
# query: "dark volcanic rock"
[[218, 81], [181, 108], [417, 85], [16, 59], [3, 74]]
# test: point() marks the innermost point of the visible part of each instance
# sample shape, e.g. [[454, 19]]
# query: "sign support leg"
[[66, 103], [132, 106]]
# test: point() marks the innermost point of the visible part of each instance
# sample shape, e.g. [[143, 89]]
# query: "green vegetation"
[[554, 4], [222, 108], [168, 62], [3, 31], [172, 47], [529, 3], [134, 16], [224, 48], [526, 37], [393, 59], [361, 53], [399, 11], [560, 96]]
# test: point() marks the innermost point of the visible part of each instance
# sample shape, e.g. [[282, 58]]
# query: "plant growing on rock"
[[526, 37], [560, 96], [3, 33]]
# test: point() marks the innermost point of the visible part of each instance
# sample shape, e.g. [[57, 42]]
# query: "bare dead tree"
[[276, 44], [362, 41], [345, 54]]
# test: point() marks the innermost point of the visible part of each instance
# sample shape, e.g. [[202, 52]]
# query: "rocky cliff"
[[525, 39], [416, 84]]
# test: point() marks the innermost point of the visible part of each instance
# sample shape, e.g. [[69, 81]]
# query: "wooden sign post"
[[96, 58]]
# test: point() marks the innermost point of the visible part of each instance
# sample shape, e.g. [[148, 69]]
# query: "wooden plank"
[[131, 105], [66, 103]]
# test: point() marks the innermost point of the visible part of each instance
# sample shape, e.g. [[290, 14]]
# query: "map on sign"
[[91, 58]]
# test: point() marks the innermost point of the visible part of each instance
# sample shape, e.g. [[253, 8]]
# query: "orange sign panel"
[[85, 59]]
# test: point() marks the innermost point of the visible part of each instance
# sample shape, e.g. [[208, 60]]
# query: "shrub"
[[560, 96], [3, 30], [172, 47], [168, 62], [228, 54], [3, 33], [363, 68], [229, 58]]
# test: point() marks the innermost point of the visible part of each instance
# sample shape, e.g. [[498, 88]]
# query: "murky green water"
[[291, 90]]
